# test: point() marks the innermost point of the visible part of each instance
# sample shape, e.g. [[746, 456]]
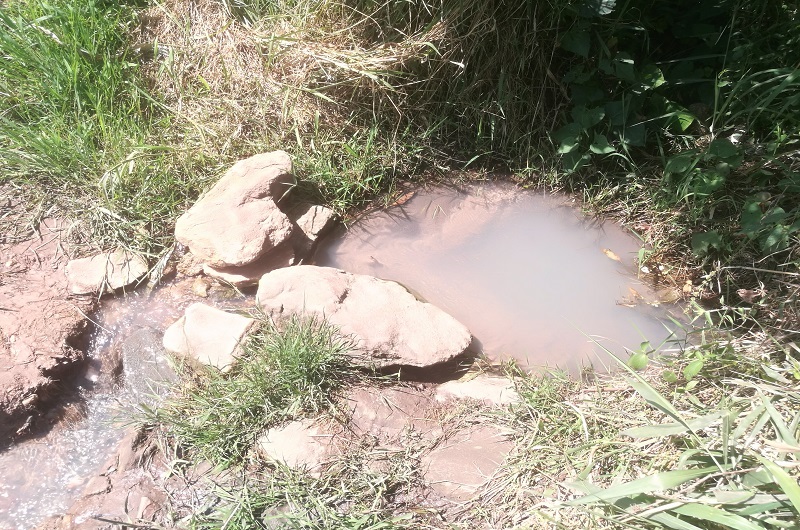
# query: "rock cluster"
[[247, 223]]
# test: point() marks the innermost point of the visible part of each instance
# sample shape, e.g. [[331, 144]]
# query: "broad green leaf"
[[638, 361], [634, 134], [692, 369], [775, 215], [669, 429], [716, 515], [751, 218], [587, 117], [722, 148], [652, 76], [600, 145], [681, 162], [777, 239], [703, 242], [574, 160], [659, 482], [669, 376], [577, 41], [567, 137]]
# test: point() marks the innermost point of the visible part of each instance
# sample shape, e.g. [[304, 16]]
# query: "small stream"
[[44, 475], [532, 278]]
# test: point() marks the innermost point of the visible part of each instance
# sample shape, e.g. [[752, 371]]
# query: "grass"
[[120, 114], [285, 372]]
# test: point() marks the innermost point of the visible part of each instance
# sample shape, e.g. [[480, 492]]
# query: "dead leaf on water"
[[610, 254]]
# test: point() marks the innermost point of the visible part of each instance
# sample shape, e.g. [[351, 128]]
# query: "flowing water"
[[531, 277], [44, 475]]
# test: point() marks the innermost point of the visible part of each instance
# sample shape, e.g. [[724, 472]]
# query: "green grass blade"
[[659, 482]]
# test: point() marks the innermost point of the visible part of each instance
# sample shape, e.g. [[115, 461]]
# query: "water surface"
[[531, 276]]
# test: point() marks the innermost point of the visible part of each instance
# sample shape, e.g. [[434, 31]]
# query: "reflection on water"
[[529, 276]]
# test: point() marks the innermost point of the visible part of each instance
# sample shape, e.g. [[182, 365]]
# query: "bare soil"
[[41, 325]]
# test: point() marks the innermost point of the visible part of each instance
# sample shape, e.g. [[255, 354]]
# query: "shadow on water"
[[532, 277]]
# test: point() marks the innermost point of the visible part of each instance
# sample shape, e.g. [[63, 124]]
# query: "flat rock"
[[389, 413], [208, 334], [105, 272], [390, 326], [458, 467], [490, 389], [237, 221], [300, 445]]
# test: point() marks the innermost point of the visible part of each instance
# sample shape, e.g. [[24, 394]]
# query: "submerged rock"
[[390, 326], [208, 334], [247, 275], [237, 221], [105, 272]]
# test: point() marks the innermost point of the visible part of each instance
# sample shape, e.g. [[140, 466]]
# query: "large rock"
[[238, 220], [41, 327], [210, 335], [390, 325], [105, 272]]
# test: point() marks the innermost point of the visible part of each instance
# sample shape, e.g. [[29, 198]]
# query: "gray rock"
[[105, 272], [210, 335], [237, 221], [314, 220], [390, 326]]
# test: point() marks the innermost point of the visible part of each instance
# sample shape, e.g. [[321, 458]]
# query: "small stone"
[[314, 220], [210, 335], [97, 486], [490, 389], [190, 265], [200, 287], [105, 272]]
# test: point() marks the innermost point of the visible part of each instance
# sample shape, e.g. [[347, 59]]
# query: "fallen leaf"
[[611, 255]]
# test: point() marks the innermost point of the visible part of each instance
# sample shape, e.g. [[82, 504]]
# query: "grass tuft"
[[284, 372]]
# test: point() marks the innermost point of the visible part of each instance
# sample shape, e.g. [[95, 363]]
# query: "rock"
[[189, 265], [457, 468], [390, 326], [299, 445], [210, 335], [389, 413], [41, 328], [200, 287], [105, 272], [237, 221], [247, 275], [492, 390], [313, 220]]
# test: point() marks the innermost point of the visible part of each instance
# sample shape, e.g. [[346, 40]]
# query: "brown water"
[[527, 273]]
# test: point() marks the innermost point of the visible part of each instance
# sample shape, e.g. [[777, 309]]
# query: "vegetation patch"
[[284, 373]]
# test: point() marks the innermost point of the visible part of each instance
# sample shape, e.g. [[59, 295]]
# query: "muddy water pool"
[[533, 278]]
